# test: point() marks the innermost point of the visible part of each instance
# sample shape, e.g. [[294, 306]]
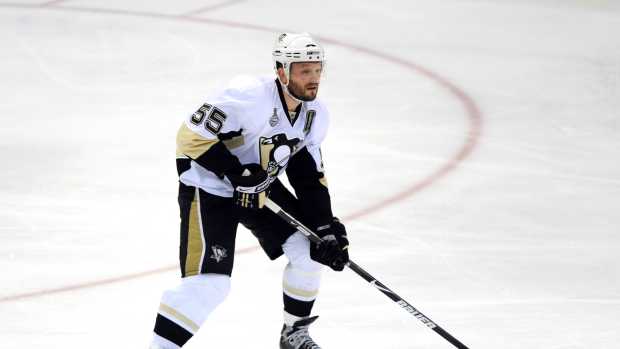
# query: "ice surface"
[[473, 155]]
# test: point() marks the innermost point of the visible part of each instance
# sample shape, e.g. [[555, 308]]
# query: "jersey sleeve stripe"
[[192, 144]]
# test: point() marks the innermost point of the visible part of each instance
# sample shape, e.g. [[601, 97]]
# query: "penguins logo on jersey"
[[276, 151]]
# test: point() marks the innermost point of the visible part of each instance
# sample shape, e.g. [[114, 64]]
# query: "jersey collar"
[[285, 108]]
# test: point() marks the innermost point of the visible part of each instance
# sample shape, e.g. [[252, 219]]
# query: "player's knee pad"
[[302, 275], [297, 250], [190, 303]]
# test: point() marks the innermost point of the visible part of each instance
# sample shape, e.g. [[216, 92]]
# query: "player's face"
[[304, 80]]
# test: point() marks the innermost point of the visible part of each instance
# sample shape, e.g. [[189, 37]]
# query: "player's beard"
[[302, 92]]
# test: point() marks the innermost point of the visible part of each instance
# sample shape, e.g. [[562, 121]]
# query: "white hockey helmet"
[[296, 47]]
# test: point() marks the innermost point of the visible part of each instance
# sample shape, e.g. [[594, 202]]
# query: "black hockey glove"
[[250, 183], [333, 250]]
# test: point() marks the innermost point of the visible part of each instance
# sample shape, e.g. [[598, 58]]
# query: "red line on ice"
[[52, 3], [212, 7]]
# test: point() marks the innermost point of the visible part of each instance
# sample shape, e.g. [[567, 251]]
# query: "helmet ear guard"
[[292, 48]]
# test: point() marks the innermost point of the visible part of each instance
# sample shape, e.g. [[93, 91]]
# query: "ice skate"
[[297, 336]]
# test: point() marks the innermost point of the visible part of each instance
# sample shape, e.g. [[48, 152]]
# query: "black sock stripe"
[[297, 307], [166, 328]]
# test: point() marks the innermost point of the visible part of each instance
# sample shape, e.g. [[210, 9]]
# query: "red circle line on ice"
[[471, 110]]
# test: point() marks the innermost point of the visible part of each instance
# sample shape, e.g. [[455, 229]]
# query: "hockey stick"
[[366, 276]]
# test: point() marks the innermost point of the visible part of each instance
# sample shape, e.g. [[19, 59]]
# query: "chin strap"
[[288, 92]]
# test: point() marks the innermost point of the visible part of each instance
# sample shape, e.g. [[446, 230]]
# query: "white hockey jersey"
[[250, 118]]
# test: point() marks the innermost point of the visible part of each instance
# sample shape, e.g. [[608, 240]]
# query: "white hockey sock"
[[184, 308], [301, 278], [290, 319]]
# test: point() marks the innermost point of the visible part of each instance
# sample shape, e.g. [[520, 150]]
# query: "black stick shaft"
[[366, 276]]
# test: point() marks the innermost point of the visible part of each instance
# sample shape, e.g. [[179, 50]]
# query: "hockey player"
[[230, 153]]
